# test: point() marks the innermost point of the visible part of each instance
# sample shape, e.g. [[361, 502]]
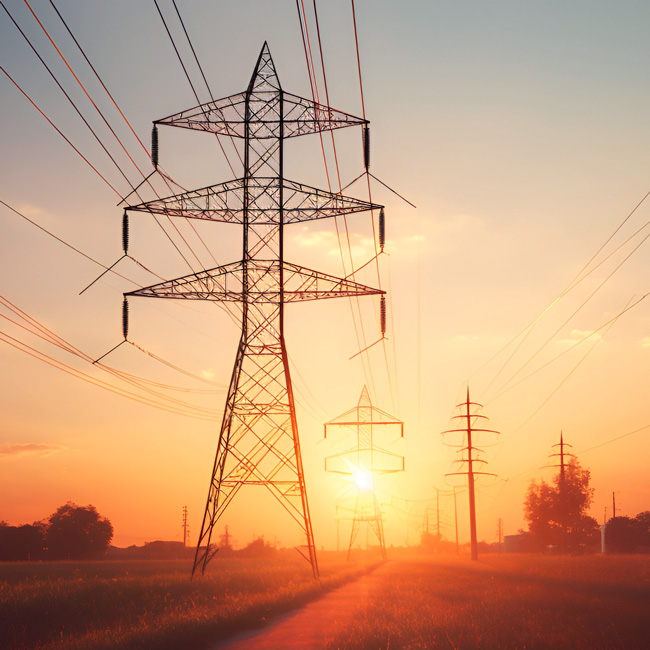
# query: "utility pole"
[[500, 534], [364, 462], [456, 522], [469, 429], [185, 527], [563, 455], [614, 505], [437, 514], [258, 442]]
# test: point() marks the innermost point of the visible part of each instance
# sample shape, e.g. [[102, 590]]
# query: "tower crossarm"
[[224, 202], [226, 284], [349, 462], [227, 116]]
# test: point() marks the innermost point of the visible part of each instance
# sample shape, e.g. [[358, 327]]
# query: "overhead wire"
[[101, 114], [567, 350], [187, 75], [10, 340], [574, 313], [165, 176], [576, 281], [29, 99], [65, 243], [88, 257], [565, 379], [374, 234], [358, 325], [97, 138], [47, 335]]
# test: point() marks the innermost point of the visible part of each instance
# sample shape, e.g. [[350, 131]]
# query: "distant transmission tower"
[[469, 446], [258, 442], [364, 461]]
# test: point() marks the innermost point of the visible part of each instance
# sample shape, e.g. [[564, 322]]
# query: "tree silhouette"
[[627, 535], [556, 513], [77, 533], [20, 543]]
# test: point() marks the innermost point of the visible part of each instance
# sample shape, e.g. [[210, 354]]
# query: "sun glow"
[[362, 479]]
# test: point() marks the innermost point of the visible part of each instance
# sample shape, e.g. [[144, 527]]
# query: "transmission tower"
[[365, 461], [469, 446], [258, 442]]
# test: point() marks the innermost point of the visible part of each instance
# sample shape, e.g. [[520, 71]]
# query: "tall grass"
[[140, 604], [509, 602]]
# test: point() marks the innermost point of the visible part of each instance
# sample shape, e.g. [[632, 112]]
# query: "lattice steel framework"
[[363, 462], [258, 441]]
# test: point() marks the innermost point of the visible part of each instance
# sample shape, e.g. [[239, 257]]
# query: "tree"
[[643, 522], [557, 514], [622, 535], [77, 533], [627, 535], [21, 543]]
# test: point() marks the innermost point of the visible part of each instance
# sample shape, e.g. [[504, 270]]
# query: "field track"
[[309, 627]]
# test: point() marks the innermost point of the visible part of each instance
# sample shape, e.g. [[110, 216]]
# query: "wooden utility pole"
[[469, 429], [562, 487], [500, 534], [185, 527], [456, 522]]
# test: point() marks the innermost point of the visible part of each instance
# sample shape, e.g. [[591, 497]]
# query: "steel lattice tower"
[[365, 461], [258, 441]]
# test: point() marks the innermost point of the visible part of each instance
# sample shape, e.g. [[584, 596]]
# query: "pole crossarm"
[[227, 284], [225, 202]]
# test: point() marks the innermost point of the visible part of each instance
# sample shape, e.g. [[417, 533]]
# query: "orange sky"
[[521, 135]]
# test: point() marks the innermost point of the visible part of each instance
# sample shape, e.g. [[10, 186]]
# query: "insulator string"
[[125, 318], [366, 146], [125, 232], [154, 146]]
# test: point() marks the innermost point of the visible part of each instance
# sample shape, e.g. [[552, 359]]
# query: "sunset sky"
[[518, 129]]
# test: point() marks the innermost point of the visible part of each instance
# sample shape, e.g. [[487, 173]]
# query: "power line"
[[23, 347], [60, 132]]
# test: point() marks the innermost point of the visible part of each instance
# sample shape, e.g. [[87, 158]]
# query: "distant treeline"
[[72, 532]]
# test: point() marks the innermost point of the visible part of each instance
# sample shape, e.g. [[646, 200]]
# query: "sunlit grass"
[[131, 605], [508, 602]]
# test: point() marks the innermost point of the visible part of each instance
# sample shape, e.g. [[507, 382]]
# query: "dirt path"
[[309, 627]]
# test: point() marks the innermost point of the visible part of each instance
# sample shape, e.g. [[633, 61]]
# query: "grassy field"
[[140, 604], [510, 602]]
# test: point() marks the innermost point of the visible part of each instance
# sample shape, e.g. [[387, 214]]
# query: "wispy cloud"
[[645, 342], [30, 448]]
